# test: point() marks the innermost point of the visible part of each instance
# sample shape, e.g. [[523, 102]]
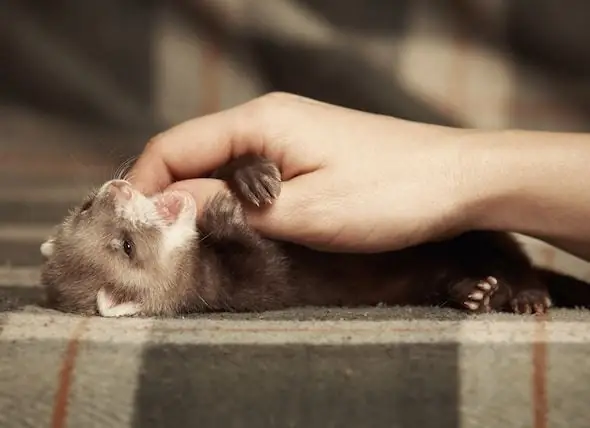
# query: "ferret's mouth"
[[174, 205]]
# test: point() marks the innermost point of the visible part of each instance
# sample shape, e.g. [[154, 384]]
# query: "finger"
[[298, 215], [288, 218], [202, 189], [195, 148]]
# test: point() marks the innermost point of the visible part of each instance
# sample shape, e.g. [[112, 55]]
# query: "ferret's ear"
[[47, 248], [108, 307]]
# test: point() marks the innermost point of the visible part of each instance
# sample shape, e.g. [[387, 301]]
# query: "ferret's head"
[[121, 253]]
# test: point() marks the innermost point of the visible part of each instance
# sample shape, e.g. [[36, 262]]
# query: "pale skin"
[[354, 181]]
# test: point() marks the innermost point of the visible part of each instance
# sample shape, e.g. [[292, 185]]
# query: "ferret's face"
[[121, 253]]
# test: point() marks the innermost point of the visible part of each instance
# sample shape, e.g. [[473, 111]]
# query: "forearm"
[[534, 183]]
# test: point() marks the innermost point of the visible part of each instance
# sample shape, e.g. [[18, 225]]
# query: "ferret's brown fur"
[[227, 266]]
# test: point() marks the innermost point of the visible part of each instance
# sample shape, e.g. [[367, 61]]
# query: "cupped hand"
[[352, 181]]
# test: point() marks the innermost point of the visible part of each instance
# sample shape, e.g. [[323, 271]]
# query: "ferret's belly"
[[366, 282]]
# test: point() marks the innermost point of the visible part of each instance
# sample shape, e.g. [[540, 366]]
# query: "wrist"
[[516, 181]]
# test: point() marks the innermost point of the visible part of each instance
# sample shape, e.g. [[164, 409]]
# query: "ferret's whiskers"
[[116, 172], [204, 301], [125, 174], [123, 169], [201, 239]]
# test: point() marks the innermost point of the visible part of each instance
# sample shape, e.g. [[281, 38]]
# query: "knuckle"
[[265, 112], [154, 143], [272, 103], [277, 97]]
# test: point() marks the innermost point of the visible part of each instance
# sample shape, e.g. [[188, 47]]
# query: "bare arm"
[[534, 183]]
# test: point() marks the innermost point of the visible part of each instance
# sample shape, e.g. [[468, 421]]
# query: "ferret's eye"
[[128, 247], [87, 205]]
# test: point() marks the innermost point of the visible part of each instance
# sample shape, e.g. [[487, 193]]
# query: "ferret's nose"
[[120, 189]]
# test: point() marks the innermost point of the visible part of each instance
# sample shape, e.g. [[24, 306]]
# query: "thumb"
[[201, 189], [297, 215]]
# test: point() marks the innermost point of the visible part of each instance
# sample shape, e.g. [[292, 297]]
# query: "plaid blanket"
[[307, 368], [83, 86]]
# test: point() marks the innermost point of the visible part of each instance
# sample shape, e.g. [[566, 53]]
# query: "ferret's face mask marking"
[[117, 253]]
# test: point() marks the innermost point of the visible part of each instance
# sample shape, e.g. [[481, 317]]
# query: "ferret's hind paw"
[[531, 302], [476, 295]]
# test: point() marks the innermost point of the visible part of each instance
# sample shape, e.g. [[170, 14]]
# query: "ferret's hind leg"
[[492, 273], [223, 218]]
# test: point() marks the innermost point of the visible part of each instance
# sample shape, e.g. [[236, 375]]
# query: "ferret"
[[121, 253]]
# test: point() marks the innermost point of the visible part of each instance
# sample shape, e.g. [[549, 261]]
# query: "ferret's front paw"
[[257, 180], [108, 307], [47, 248], [476, 295], [531, 302]]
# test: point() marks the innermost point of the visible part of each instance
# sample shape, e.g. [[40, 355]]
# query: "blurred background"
[[83, 85]]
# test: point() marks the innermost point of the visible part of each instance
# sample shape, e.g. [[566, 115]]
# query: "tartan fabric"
[[83, 87], [331, 368]]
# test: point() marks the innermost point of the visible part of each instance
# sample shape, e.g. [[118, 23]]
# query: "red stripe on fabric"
[[60, 405], [539, 387]]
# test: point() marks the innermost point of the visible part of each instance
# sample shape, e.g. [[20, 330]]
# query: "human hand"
[[352, 181]]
